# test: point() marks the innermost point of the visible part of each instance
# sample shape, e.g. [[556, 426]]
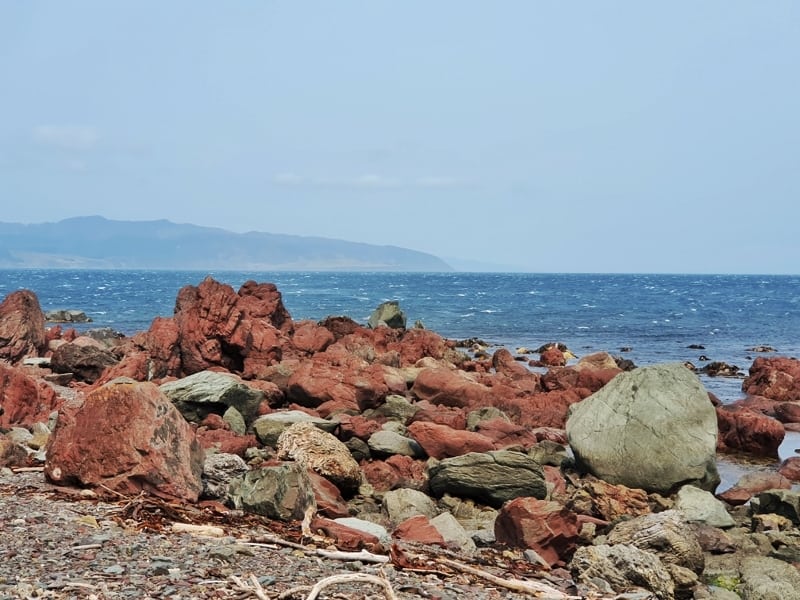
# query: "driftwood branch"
[[348, 578], [362, 555], [540, 590]]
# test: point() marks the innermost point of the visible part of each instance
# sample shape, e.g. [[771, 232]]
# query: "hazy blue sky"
[[618, 136]]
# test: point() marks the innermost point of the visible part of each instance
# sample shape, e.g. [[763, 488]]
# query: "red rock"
[[505, 434], [552, 434], [214, 421], [752, 484], [21, 326], [225, 440], [556, 480], [790, 468], [52, 333], [127, 437], [504, 363], [241, 332], [311, 338], [777, 378], [395, 472], [450, 387], [547, 409], [418, 529], [273, 395], [316, 381], [346, 538], [351, 426], [441, 441], [742, 430], [340, 326], [552, 357], [566, 378], [788, 412], [443, 415], [330, 503], [417, 344], [23, 400], [162, 343], [758, 404], [544, 526]]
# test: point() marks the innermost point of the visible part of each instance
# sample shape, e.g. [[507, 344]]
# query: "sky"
[[618, 136]]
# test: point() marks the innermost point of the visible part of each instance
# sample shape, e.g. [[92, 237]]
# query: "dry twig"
[[540, 590]]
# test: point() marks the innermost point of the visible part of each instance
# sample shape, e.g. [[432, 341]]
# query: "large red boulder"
[[418, 529], [544, 526], [450, 387], [24, 400], [743, 430], [241, 332], [310, 338], [776, 378], [127, 437], [417, 344], [358, 386], [788, 412], [21, 326], [505, 434], [441, 441], [504, 363]]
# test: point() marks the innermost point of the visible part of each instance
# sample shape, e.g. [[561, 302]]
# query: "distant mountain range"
[[96, 242]]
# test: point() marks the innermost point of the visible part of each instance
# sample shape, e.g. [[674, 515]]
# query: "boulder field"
[[379, 435]]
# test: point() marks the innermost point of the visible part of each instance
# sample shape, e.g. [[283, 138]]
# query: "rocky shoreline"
[[455, 469]]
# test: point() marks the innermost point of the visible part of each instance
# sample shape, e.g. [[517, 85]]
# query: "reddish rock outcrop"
[[788, 412], [224, 440], [544, 526], [127, 437], [506, 435], [440, 441], [346, 538], [742, 430], [86, 361], [241, 332], [548, 409], [24, 400], [21, 326], [776, 378], [504, 363], [552, 357]]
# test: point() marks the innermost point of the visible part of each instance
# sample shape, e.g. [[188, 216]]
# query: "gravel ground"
[[62, 543]]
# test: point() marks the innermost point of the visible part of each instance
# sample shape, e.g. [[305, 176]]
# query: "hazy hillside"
[[95, 242]]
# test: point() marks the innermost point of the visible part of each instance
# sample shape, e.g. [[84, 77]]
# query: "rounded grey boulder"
[[652, 428]]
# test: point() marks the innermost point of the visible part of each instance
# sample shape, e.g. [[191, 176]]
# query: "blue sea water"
[[656, 316]]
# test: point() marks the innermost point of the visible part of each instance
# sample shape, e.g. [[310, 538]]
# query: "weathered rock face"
[[623, 567], [785, 503], [21, 326], [776, 378], [652, 428], [491, 477], [241, 332], [546, 527], [219, 470], [665, 534], [388, 314], [354, 387], [127, 437], [208, 392], [268, 428], [86, 362], [23, 400], [743, 430], [321, 452], [281, 492]]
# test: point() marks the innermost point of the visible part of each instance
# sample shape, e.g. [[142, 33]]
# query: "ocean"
[[646, 318]]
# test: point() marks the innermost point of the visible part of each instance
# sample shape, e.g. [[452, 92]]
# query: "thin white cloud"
[[66, 137], [438, 182]]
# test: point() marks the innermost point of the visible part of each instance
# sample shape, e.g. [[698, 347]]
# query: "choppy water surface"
[[656, 316]]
